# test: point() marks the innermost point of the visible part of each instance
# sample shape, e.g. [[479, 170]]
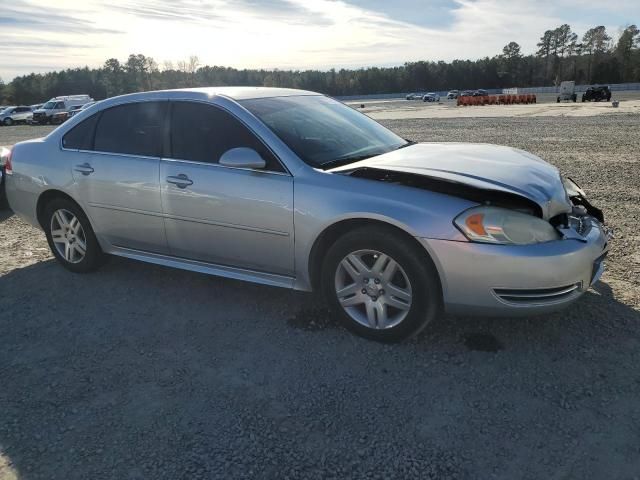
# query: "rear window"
[[80, 137], [133, 129]]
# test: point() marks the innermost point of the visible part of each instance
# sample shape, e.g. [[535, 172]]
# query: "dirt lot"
[[139, 371], [546, 106]]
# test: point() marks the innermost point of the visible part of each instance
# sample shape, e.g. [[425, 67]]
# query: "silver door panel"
[[122, 195], [227, 216]]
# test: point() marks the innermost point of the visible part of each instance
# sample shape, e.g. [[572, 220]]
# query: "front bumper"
[[513, 280], [39, 118]]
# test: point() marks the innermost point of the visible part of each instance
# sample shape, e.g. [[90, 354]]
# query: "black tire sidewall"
[[425, 284], [93, 257]]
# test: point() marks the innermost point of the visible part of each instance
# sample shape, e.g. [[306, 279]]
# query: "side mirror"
[[242, 157]]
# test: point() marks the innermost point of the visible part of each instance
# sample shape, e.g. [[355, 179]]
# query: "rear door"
[[116, 174], [222, 215]]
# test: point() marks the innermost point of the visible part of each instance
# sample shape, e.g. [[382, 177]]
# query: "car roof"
[[203, 93]]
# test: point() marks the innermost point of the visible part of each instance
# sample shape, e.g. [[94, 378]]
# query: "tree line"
[[562, 55]]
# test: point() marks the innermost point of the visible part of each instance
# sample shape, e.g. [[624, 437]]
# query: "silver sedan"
[[294, 189]]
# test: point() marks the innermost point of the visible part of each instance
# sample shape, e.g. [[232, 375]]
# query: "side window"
[[58, 105], [80, 137], [202, 133], [133, 129]]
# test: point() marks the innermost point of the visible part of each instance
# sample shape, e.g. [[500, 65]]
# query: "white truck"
[[44, 114], [567, 92]]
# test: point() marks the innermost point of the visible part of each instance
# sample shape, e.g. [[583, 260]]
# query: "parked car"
[[4, 155], [480, 93], [415, 96], [58, 118], [76, 110], [11, 115], [431, 97], [45, 114], [567, 92], [466, 93], [596, 94], [374, 221], [453, 94]]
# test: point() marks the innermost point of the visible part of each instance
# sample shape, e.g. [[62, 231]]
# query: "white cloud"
[[272, 33]]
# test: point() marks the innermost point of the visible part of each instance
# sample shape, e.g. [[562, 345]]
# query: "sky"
[[45, 35]]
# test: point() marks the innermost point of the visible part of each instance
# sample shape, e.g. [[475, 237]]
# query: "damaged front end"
[[574, 223], [577, 224], [484, 196]]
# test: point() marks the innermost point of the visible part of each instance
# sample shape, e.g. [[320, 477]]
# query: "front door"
[[227, 216]]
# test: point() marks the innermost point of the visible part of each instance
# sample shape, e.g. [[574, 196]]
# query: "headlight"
[[503, 226]]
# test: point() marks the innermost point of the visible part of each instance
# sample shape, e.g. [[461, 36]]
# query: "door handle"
[[84, 169], [180, 181]]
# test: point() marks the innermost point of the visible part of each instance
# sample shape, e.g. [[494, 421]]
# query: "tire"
[[4, 204], [370, 311], [93, 257], [8, 121]]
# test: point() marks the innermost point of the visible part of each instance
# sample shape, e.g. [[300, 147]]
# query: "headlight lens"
[[504, 226]]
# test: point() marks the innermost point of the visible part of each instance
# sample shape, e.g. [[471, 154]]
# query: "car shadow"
[[5, 214], [141, 371]]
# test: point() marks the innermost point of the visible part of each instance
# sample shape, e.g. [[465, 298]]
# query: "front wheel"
[[71, 237], [8, 121], [380, 284]]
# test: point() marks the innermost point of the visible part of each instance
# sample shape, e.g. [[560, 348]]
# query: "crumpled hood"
[[485, 166]]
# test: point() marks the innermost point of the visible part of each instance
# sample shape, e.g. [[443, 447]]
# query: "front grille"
[[536, 296]]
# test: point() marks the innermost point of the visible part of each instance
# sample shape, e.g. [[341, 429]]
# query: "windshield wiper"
[[408, 144], [338, 162]]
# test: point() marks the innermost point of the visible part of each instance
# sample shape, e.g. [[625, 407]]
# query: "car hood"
[[482, 166]]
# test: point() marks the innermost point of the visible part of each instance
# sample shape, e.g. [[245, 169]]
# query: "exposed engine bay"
[[575, 220]]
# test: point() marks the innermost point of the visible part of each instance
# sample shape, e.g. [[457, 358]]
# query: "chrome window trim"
[[129, 155], [217, 165]]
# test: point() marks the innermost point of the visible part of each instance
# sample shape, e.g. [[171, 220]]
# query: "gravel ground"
[[139, 371]]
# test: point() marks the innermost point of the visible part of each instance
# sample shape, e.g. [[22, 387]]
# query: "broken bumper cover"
[[487, 279]]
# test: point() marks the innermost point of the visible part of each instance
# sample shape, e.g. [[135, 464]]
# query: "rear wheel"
[[380, 284], [71, 237]]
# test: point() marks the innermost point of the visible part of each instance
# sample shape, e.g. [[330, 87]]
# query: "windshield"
[[48, 105], [323, 132]]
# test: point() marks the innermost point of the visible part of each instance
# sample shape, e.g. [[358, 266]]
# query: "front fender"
[[325, 199]]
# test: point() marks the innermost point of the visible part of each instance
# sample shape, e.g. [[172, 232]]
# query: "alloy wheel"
[[373, 289], [68, 236]]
